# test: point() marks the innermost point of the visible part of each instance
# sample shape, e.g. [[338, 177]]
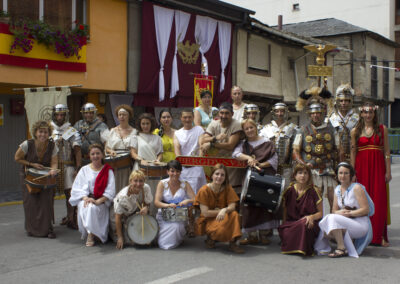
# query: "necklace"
[[368, 132]]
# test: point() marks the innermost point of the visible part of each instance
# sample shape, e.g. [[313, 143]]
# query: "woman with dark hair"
[[146, 146], [166, 132], [39, 153], [172, 192], [370, 157], [92, 191], [219, 219], [349, 219], [120, 141], [204, 113], [302, 210]]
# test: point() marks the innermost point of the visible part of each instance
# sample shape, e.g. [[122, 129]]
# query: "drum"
[[36, 180], [262, 190], [121, 161], [155, 171], [179, 214], [142, 230]]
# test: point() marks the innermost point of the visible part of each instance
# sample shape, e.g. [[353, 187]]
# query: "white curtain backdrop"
[[181, 23], [163, 18], [204, 34], [224, 40]]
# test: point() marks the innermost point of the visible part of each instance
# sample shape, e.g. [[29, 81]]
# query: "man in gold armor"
[[315, 146]]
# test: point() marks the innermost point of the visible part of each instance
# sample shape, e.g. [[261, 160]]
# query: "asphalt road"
[[67, 260]]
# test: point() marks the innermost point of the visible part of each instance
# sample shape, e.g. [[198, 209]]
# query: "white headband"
[[123, 110]]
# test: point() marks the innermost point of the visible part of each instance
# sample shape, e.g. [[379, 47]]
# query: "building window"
[[397, 13], [296, 7], [62, 14], [397, 49], [258, 55], [385, 81], [374, 77]]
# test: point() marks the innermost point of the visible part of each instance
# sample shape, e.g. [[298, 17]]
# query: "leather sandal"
[[90, 241], [51, 235], [338, 253], [210, 243], [250, 240], [233, 247], [64, 221], [265, 240]]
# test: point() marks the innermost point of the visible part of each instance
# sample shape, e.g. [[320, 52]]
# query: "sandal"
[[210, 243], [250, 240], [385, 244], [265, 240], [338, 253], [233, 247], [90, 240]]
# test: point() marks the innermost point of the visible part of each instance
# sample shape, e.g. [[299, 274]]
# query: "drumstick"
[[147, 219], [142, 228], [35, 179]]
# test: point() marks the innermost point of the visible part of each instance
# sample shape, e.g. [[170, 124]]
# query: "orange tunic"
[[225, 230]]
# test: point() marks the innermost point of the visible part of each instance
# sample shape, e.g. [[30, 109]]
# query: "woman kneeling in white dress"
[[172, 193], [349, 221], [93, 191]]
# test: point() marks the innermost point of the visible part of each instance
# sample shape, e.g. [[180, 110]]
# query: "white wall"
[[374, 15]]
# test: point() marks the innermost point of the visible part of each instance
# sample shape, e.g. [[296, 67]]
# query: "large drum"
[[141, 230], [36, 180], [120, 161], [179, 214], [262, 190], [154, 171]]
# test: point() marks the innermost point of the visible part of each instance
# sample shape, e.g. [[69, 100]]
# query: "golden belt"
[[370, 147]]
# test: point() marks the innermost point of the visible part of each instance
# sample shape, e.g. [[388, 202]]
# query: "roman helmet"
[[251, 108], [60, 108], [280, 105], [89, 107]]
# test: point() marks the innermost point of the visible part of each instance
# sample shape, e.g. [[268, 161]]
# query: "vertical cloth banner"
[[224, 40], [201, 83], [163, 19], [116, 100], [39, 102], [204, 33], [181, 24]]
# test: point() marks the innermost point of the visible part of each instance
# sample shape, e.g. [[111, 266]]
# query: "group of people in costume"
[[341, 153]]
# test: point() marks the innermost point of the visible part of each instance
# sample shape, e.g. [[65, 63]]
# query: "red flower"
[[81, 27]]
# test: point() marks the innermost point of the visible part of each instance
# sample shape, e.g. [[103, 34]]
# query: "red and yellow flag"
[[201, 83]]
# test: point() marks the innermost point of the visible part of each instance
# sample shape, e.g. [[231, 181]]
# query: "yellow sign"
[[315, 70]]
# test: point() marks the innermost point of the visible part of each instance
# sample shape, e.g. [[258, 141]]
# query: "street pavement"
[[66, 259]]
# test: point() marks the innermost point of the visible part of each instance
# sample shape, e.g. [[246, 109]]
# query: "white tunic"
[[93, 218], [148, 147], [188, 140], [116, 142], [355, 227], [238, 113], [171, 234]]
